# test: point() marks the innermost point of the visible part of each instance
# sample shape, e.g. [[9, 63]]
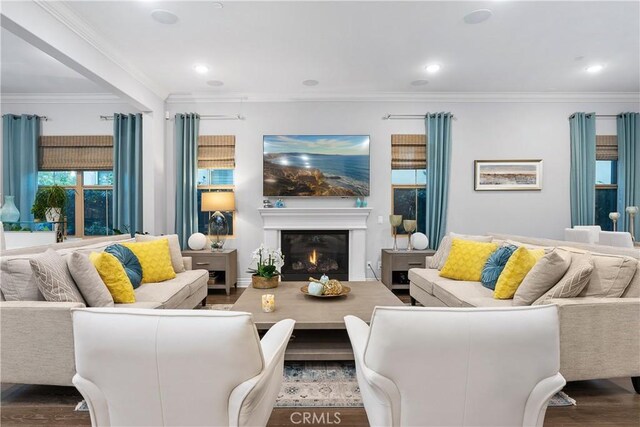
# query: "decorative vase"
[[410, 226], [260, 282], [9, 212], [614, 216], [53, 214], [395, 221], [358, 203]]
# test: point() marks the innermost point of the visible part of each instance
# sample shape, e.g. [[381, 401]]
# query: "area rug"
[[331, 385], [223, 307]]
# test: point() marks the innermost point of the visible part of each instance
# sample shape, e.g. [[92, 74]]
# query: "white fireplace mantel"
[[352, 219]]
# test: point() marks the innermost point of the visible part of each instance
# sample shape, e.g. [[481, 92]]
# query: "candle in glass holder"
[[268, 303]]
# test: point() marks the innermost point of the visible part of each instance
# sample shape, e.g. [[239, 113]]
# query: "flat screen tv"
[[316, 165]]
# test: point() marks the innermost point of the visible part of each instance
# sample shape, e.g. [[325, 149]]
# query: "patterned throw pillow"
[[542, 277], [155, 260], [440, 257], [518, 266], [495, 264], [53, 278], [129, 261], [113, 275], [467, 259], [174, 249], [574, 280]]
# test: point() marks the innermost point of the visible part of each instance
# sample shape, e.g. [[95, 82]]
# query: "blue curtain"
[[582, 127], [438, 128], [127, 172], [186, 138], [20, 160], [629, 168]]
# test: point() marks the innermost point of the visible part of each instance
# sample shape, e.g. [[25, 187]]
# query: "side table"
[[396, 266], [222, 266]]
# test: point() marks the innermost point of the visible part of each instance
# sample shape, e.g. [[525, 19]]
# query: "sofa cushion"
[[174, 249], [139, 304], [17, 280], [542, 277], [456, 293], [466, 259], [633, 290], [518, 266], [91, 286], [574, 280], [611, 276], [170, 293], [424, 278], [440, 257], [197, 278], [54, 279]]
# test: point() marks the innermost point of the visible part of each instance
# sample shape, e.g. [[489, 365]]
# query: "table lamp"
[[218, 202], [614, 216]]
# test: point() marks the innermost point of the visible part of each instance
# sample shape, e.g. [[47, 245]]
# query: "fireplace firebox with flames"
[[314, 253]]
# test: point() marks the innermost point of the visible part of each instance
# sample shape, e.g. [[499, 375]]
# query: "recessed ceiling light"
[[595, 68], [201, 69], [419, 82], [310, 83], [215, 83], [217, 5], [477, 16], [164, 16], [433, 68]]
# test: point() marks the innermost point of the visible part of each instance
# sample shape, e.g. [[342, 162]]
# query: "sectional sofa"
[[599, 337], [37, 335]]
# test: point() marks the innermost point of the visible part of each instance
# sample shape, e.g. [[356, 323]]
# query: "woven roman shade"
[[409, 151], [75, 152], [606, 147], [216, 152]]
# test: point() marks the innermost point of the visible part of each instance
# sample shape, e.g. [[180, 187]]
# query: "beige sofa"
[[36, 337], [599, 337]]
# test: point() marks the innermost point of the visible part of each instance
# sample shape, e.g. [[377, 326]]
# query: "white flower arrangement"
[[267, 261]]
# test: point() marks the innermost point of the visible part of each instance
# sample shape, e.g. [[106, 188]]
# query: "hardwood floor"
[[605, 403]]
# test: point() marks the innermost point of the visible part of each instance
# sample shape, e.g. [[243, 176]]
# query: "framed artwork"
[[508, 175]]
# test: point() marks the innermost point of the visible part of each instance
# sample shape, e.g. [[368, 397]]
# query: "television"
[[316, 165]]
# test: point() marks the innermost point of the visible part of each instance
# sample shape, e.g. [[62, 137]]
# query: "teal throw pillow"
[[494, 266], [129, 261]]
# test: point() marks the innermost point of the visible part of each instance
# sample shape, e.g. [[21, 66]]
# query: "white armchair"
[[177, 367], [457, 366], [620, 239], [578, 235], [594, 232]]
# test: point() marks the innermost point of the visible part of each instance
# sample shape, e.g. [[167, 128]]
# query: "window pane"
[[203, 218], [63, 178], [606, 202], [98, 220], [203, 176], [221, 176], [97, 178], [71, 212], [606, 171], [403, 176], [411, 204]]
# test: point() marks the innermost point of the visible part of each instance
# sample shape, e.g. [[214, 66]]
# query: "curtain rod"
[[43, 118], [408, 117], [203, 117], [604, 116]]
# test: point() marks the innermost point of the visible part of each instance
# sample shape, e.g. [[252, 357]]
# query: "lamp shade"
[[218, 201]]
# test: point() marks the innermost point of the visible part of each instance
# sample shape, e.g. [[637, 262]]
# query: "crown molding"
[[74, 22], [462, 97], [60, 98]]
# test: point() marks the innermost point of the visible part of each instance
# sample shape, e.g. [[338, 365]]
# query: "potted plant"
[[50, 203], [267, 271]]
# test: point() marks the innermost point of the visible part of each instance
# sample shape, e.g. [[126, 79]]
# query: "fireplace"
[[312, 253]]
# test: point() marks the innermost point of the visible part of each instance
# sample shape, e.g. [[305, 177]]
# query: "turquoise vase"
[[9, 212]]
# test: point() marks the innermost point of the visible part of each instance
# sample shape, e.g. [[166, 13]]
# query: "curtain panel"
[[186, 139], [629, 168], [20, 160], [127, 172], [438, 127], [582, 177]]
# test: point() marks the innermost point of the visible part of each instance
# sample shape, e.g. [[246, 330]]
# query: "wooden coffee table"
[[319, 333]]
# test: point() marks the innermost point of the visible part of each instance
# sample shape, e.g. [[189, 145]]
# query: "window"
[[90, 197], [409, 178], [214, 180], [606, 180]]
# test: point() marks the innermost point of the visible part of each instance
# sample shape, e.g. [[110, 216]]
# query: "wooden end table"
[[400, 262], [222, 266]]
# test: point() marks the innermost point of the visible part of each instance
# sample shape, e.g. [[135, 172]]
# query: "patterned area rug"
[[331, 385]]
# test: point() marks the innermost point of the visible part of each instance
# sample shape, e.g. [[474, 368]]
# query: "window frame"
[[401, 231], [605, 186]]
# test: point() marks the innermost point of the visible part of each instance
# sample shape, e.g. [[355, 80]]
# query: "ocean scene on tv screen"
[[316, 165]]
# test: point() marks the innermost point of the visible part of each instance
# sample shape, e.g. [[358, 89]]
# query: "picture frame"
[[507, 175]]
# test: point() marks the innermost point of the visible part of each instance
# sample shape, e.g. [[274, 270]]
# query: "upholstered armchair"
[[177, 367], [457, 366]]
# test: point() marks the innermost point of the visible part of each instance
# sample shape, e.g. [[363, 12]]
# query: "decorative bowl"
[[345, 291]]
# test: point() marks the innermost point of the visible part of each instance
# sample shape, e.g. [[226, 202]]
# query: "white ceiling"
[[26, 69], [367, 47]]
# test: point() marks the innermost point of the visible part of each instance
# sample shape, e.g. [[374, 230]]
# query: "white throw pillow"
[[17, 280]]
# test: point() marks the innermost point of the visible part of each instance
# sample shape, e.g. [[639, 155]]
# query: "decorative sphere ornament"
[[419, 241], [315, 288], [324, 279], [197, 241]]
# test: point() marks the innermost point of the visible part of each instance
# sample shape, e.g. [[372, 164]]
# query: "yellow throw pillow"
[[155, 260], [518, 266], [467, 259], [113, 275]]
